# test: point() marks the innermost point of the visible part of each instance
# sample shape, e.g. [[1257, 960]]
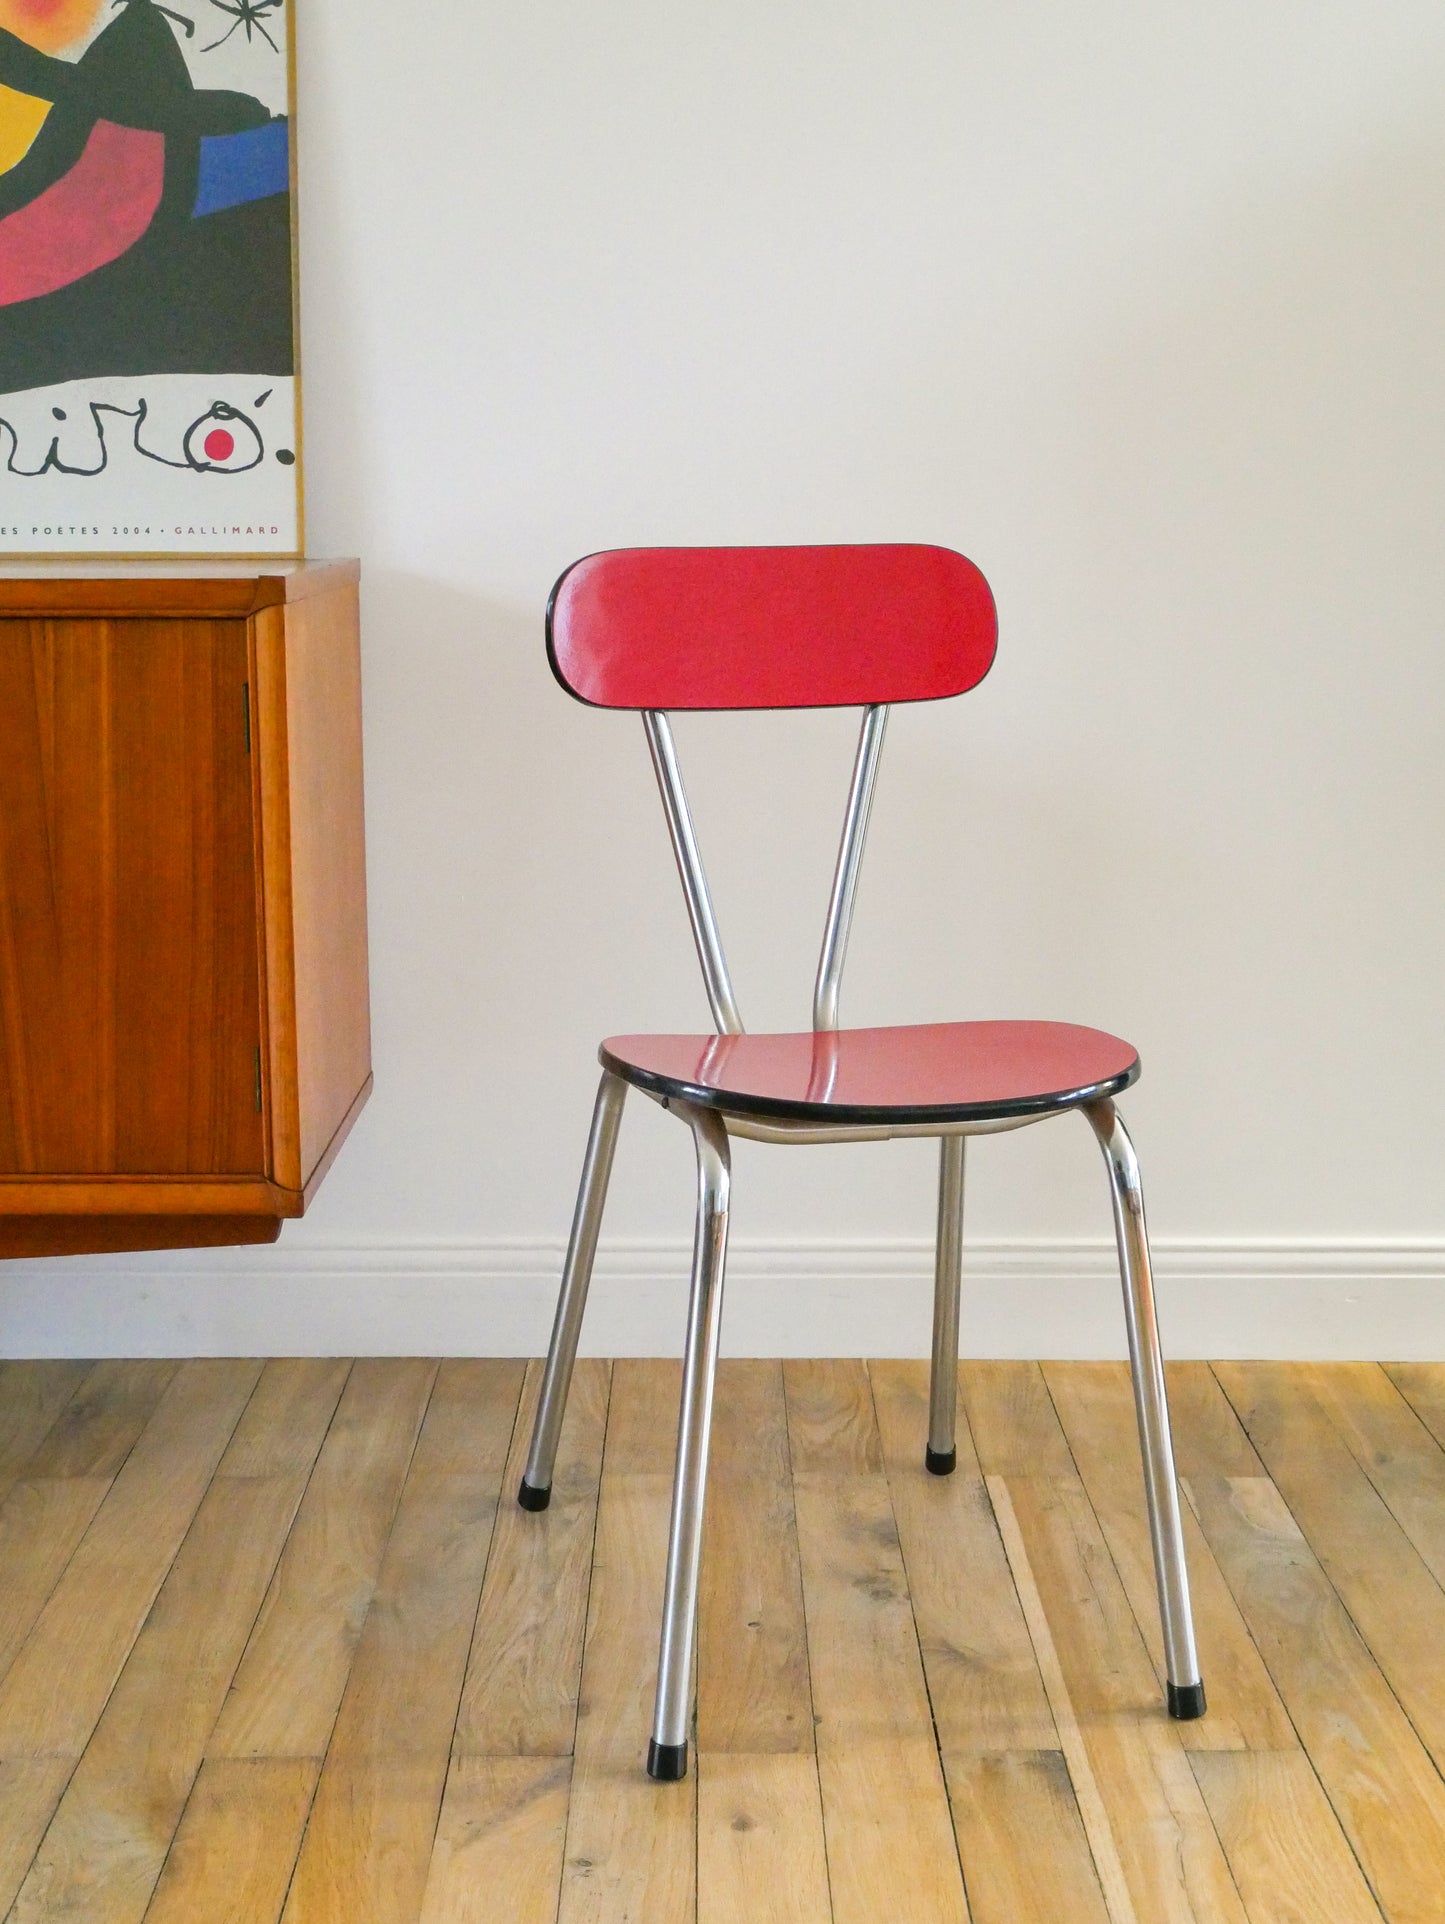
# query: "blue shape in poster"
[[236, 168]]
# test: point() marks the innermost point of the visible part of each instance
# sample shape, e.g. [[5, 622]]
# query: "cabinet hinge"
[[258, 1078], [246, 712]]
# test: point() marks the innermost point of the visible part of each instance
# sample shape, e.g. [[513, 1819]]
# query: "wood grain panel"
[[308, 693], [128, 918], [167, 589]]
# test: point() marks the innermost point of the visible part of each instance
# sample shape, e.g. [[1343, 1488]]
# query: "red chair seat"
[[928, 1072]]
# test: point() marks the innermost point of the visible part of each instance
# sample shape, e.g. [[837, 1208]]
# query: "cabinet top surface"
[[164, 587]]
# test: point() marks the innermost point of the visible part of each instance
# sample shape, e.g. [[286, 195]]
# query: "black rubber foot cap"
[[1186, 1701], [531, 1499], [666, 1763], [940, 1462]]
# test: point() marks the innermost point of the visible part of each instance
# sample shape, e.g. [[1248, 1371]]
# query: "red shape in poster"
[[219, 445], [87, 218]]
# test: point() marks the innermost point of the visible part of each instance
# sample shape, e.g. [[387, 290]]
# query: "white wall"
[[1138, 304]]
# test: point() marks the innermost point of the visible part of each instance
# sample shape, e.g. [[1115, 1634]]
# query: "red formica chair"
[[709, 628]]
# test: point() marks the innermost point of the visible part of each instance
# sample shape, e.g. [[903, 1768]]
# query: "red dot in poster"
[[219, 445]]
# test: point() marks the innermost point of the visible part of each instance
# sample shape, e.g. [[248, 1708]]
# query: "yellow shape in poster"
[[50, 25], [21, 118]]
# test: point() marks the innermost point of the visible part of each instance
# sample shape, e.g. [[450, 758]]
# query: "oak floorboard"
[[53, 1694], [631, 1848], [33, 1397], [287, 1418], [66, 1476], [99, 1426], [368, 1842], [1396, 1604], [990, 1740], [369, 1838], [1209, 1439], [1423, 1387], [753, 1689], [232, 1856], [832, 1430], [1026, 1857], [1012, 1420], [1095, 1403], [885, 1807], [1392, 1446], [525, 1667], [1284, 1843], [1156, 1850], [642, 1416], [289, 1683], [42, 1520], [30, 1789], [1387, 1794], [983, 1677], [108, 1840], [886, 1820], [499, 1842], [760, 1850]]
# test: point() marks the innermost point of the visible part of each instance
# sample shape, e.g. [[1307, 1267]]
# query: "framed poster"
[[149, 396]]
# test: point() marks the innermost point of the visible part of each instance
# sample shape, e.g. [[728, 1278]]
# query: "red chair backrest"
[[770, 627]]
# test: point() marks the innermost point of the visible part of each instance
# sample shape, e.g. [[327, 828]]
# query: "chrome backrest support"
[[694, 882], [845, 875], [689, 867]]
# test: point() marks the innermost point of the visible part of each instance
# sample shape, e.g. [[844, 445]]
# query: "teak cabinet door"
[[130, 998]]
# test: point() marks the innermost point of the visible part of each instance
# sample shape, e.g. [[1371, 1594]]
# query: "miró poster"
[[149, 401]]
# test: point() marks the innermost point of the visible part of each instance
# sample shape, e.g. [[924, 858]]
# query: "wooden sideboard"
[[184, 1019]]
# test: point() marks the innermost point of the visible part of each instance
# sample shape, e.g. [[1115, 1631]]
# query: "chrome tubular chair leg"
[[535, 1492], [667, 1753], [1184, 1689], [942, 1453]]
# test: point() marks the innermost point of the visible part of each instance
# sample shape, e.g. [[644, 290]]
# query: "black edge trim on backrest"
[[552, 662], [917, 702]]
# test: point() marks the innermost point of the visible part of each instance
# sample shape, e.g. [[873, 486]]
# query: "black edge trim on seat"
[[821, 1115]]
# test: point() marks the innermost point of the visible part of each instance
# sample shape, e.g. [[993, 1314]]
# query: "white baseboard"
[[1320, 1300]]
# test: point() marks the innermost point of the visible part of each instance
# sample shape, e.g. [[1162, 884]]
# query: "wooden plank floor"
[[277, 1647]]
